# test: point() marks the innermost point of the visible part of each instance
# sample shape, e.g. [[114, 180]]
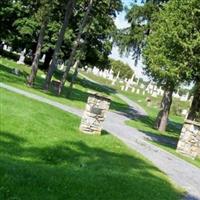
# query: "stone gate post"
[[189, 141], [94, 114]]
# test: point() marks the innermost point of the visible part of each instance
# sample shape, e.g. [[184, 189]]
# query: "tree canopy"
[[132, 39], [124, 69], [172, 50], [173, 47]]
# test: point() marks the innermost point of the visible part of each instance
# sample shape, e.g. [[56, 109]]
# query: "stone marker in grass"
[[189, 142], [94, 114]]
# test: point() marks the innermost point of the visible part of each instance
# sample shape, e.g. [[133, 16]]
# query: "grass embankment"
[[78, 97], [44, 156], [166, 140]]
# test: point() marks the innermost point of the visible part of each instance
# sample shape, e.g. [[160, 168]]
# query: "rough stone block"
[[94, 114], [189, 141]]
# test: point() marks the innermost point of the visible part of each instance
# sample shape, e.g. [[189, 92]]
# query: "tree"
[[13, 14], [124, 69], [76, 44], [131, 40], [68, 11], [194, 112], [172, 50], [43, 14], [34, 66], [99, 14]]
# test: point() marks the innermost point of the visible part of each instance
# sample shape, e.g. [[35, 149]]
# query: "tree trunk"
[[34, 66], [76, 44], [74, 76], [162, 117], [68, 11], [194, 112]]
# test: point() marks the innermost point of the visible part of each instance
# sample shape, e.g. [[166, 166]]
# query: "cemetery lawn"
[[79, 94], [168, 139], [43, 155]]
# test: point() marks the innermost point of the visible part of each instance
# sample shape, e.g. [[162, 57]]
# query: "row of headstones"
[[151, 89], [127, 84], [107, 74], [22, 54]]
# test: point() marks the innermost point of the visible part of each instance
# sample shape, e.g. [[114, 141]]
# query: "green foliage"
[[132, 40], [172, 51], [100, 29], [124, 69], [9, 12]]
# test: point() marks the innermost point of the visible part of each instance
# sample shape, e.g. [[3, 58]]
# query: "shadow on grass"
[[169, 138], [75, 170], [76, 95]]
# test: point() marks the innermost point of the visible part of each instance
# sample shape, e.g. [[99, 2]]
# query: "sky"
[[122, 23]]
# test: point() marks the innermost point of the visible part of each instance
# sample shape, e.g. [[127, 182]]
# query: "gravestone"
[[5, 47], [22, 57], [43, 58], [127, 86], [154, 94], [55, 84], [184, 112], [94, 114], [133, 89], [9, 49], [189, 141], [16, 71]]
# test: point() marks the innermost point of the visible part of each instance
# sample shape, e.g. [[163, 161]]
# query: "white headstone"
[[5, 47], [62, 67], [43, 58], [154, 94], [9, 48], [22, 57], [133, 89], [184, 112]]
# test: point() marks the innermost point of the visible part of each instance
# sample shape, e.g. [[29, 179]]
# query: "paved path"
[[181, 172]]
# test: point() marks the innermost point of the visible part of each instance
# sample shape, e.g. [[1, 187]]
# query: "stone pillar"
[[189, 141], [94, 114]]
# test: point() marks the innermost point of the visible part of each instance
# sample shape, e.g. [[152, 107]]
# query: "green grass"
[[169, 138], [44, 156], [80, 94], [166, 140], [78, 97]]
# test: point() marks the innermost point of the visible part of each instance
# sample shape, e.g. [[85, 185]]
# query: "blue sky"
[[122, 23]]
